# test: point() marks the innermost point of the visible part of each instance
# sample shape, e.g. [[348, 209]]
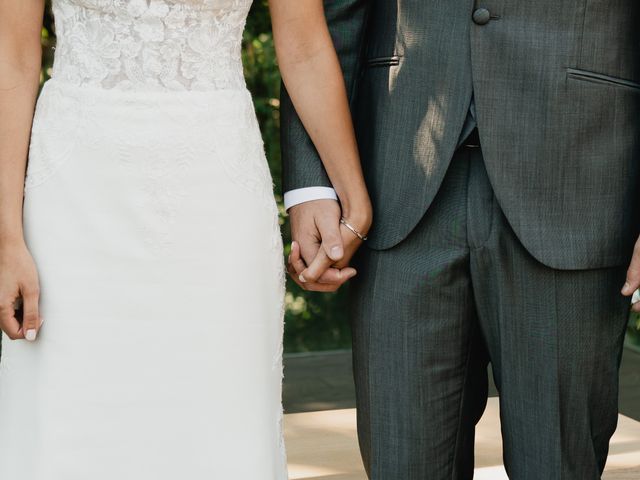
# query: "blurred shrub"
[[633, 331]]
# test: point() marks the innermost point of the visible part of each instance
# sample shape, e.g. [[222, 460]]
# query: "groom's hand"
[[633, 276], [317, 246]]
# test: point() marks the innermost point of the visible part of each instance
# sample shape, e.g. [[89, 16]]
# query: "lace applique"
[[277, 363], [163, 186], [279, 268], [241, 151], [58, 123], [150, 44], [281, 445]]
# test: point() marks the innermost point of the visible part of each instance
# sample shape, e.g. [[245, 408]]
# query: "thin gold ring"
[[353, 230]]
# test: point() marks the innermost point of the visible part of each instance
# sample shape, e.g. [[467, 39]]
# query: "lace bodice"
[[150, 44]]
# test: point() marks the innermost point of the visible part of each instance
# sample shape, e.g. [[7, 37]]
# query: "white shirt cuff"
[[308, 194]]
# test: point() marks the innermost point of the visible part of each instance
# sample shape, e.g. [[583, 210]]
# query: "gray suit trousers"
[[429, 313]]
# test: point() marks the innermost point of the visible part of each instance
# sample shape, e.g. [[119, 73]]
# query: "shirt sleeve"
[[308, 194]]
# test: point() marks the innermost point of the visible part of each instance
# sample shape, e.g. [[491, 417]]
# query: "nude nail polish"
[[30, 335]]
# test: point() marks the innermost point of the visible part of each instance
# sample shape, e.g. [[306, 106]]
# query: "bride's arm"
[[311, 72], [20, 59]]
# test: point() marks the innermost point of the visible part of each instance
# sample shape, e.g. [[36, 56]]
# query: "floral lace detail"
[[53, 142], [150, 44], [242, 148], [280, 440], [277, 364], [220, 126], [163, 186]]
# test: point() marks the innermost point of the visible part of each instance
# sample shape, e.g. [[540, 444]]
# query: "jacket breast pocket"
[[602, 79], [388, 61]]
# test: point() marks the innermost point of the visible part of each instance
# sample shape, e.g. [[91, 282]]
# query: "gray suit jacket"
[[557, 91]]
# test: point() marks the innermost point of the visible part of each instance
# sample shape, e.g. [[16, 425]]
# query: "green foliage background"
[[313, 321]]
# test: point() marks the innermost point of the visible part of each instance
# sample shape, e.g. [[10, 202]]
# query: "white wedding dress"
[[150, 214]]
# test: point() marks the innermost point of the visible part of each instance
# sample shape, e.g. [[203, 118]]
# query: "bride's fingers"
[[31, 316], [312, 287], [316, 268], [333, 276], [9, 323], [293, 274], [321, 271], [295, 259], [328, 280]]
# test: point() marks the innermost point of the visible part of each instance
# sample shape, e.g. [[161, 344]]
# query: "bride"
[[145, 236]]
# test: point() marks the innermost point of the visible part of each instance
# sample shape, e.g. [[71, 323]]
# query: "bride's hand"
[[19, 292]]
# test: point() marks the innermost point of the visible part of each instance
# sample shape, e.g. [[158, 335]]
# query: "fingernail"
[[30, 335], [336, 252], [302, 279], [626, 288]]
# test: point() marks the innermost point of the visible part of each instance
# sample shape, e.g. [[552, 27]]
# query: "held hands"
[[633, 278], [322, 248], [19, 293]]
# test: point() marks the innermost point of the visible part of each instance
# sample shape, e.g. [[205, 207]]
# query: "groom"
[[501, 145]]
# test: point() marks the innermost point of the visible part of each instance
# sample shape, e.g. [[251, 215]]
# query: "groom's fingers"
[[337, 276], [320, 271], [331, 237], [295, 258], [330, 276], [316, 268], [314, 287], [318, 246]]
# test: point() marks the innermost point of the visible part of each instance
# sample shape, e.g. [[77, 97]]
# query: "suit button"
[[481, 16]]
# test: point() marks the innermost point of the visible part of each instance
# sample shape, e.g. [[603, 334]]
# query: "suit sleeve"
[[302, 166]]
